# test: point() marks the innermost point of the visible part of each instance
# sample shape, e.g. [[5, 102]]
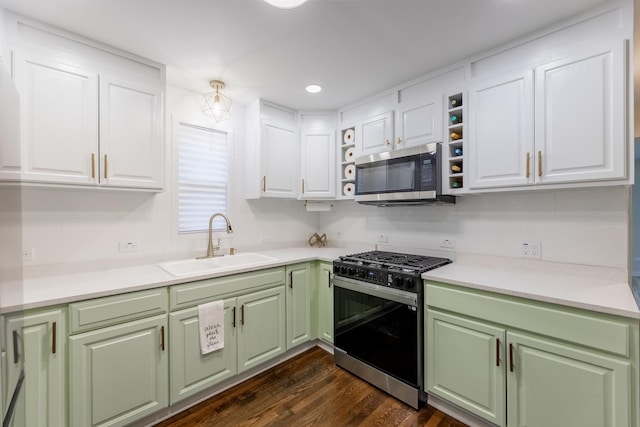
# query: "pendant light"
[[216, 104]]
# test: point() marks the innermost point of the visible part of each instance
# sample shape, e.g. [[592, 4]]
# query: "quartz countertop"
[[600, 289]]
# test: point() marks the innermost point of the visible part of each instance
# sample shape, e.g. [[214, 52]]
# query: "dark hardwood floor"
[[308, 390]]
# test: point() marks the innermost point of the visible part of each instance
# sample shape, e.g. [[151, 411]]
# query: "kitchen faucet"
[[210, 248]]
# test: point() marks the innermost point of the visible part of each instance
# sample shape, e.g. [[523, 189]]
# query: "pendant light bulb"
[[286, 4]]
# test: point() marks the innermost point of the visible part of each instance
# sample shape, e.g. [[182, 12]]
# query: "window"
[[202, 178]]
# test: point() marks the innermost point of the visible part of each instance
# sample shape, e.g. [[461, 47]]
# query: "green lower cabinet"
[[37, 341], [118, 374], [465, 364], [190, 370], [557, 385], [298, 303], [325, 302], [262, 329]]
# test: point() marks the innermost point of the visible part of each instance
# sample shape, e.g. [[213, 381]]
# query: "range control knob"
[[409, 283], [397, 282]]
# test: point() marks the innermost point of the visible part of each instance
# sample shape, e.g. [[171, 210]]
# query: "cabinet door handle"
[[233, 322], [162, 338], [242, 314], [539, 163], [498, 352], [53, 339], [264, 183], [93, 165], [511, 357], [387, 142], [303, 186], [528, 164], [399, 141], [291, 279], [16, 356], [105, 166], [329, 278]]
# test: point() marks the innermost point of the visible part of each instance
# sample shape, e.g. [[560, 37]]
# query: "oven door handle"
[[392, 294]]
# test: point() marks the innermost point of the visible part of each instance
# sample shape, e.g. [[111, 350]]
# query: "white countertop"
[[593, 288], [601, 289]]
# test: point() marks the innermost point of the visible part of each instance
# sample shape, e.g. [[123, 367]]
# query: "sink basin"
[[192, 266]]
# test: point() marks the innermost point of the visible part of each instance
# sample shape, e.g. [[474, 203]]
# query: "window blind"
[[202, 178]]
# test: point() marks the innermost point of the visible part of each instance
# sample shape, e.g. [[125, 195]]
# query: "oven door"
[[381, 327]]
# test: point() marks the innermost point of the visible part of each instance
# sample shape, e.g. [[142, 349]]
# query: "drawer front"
[[194, 293], [102, 312], [597, 330]]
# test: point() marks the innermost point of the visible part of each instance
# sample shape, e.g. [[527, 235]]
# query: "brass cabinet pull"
[[233, 321], [399, 140], [511, 357], [242, 314], [93, 165], [291, 279], [16, 356], [539, 163], [105, 166], [528, 164], [497, 351], [264, 183], [53, 340], [162, 338], [387, 142]]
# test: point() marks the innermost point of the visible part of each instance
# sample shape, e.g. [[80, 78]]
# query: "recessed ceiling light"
[[314, 88], [285, 4]]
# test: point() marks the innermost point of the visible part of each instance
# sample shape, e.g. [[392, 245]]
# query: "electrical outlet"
[[265, 236], [128, 246], [448, 243], [530, 249], [27, 254], [382, 238]]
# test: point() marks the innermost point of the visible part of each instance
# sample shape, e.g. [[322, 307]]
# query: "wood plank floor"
[[307, 390]]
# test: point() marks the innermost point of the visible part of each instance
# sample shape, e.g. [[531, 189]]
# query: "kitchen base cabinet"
[[261, 334], [191, 371], [118, 374], [36, 340], [516, 362], [298, 302], [324, 289]]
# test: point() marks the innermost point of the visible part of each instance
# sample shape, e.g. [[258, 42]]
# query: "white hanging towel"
[[211, 319]]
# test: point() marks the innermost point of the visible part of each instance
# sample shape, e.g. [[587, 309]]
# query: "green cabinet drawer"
[[596, 330], [195, 293], [102, 312]]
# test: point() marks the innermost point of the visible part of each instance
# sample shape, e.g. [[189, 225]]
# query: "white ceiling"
[[353, 48]]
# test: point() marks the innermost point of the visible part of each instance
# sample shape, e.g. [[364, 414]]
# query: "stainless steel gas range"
[[379, 320]]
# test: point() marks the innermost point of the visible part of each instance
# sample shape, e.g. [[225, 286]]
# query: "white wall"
[[586, 226], [71, 229]]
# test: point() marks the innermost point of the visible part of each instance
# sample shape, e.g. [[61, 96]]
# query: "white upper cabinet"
[[130, 135], [59, 120], [318, 156], [90, 115], [500, 131], [560, 123], [374, 134], [419, 120], [272, 151], [580, 117]]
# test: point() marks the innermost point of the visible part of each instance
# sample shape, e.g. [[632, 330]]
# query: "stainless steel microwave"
[[401, 177]]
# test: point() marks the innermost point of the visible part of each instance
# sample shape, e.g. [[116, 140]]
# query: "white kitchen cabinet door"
[[580, 118], [500, 144], [419, 123], [375, 134], [280, 161], [131, 135], [318, 156], [59, 120]]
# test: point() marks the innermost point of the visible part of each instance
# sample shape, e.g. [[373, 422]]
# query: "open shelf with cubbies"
[[347, 163], [454, 151]]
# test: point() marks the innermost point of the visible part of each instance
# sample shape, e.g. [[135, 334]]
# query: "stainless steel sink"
[[192, 266]]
